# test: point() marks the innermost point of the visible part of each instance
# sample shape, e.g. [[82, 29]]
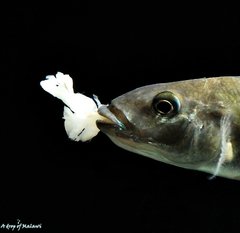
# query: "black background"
[[108, 49]]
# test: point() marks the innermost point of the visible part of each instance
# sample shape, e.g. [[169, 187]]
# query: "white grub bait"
[[80, 113]]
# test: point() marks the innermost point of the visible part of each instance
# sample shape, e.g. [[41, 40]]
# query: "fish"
[[192, 124]]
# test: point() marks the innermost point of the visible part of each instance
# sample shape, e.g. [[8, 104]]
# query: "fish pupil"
[[164, 107]]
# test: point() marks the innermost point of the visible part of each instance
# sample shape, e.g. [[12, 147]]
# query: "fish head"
[[177, 123]]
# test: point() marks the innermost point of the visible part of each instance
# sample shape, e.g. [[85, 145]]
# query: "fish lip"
[[116, 122], [106, 126]]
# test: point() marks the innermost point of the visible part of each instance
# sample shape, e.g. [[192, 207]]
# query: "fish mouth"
[[114, 121]]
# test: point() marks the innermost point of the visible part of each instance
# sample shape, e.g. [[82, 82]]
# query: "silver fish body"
[[194, 124]]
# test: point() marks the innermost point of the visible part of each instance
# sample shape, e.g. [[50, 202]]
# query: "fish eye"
[[166, 104]]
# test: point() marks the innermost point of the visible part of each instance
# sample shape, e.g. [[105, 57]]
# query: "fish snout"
[[114, 120]]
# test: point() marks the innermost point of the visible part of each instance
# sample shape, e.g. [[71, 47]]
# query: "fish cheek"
[[169, 134], [183, 144]]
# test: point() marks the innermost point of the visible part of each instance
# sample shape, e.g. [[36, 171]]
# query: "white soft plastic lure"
[[193, 124]]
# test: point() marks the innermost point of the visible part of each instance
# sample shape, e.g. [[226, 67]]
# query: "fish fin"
[[226, 145], [229, 152]]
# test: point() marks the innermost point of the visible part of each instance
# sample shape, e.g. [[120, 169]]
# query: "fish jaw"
[[114, 122]]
